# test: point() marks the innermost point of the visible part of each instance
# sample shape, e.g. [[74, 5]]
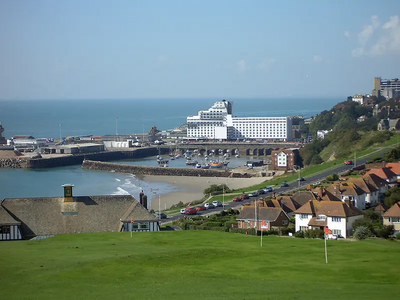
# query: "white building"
[[322, 133], [218, 123], [338, 216]]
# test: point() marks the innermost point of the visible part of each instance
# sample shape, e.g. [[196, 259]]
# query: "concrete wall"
[[145, 170]]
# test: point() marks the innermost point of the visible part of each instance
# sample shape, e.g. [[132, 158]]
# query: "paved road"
[[292, 186]]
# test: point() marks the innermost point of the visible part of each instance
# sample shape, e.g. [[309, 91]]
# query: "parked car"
[[236, 199], [209, 205], [349, 162], [217, 203], [190, 211], [160, 216], [260, 192], [253, 194], [183, 210], [284, 184], [244, 197], [268, 189], [301, 179], [200, 208]]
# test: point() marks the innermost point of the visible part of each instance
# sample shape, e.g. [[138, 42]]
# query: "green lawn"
[[197, 265]]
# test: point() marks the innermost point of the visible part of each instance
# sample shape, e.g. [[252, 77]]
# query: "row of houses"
[[336, 206]]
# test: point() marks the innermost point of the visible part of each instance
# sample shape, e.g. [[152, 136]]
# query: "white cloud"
[[317, 58], [347, 34], [241, 65], [375, 40], [266, 63]]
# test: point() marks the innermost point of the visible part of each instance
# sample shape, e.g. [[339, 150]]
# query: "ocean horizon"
[[52, 118]]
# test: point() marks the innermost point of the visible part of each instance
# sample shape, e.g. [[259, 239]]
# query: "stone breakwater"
[[146, 170], [14, 163]]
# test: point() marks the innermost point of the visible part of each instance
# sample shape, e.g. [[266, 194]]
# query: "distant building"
[[392, 217], [322, 133], [218, 123], [388, 88], [284, 159], [361, 119], [365, 100], [389, 124], [2, 139]]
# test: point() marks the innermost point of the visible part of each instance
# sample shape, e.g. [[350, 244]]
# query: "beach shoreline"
[[191, 188]]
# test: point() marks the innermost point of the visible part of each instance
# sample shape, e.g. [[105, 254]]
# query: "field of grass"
[[197, 265]]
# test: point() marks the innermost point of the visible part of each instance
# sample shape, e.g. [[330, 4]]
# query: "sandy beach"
[[191, 188]]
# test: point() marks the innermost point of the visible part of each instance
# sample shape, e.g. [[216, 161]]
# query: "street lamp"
[[116, 125]]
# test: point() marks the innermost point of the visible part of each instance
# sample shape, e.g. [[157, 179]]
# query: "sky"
[[96, 49]]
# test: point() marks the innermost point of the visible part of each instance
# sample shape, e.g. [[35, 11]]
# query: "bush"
[[385, 231], [314, 234], [299, 234], [398, 236], [361, 233]]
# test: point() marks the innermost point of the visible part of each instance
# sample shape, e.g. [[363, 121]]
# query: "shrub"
[[314, 234], [299, 234], [385, 231], [398, 236], [361, 233]]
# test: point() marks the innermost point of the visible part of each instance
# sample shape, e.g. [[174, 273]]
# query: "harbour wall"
[[77, 159], [146, 170]]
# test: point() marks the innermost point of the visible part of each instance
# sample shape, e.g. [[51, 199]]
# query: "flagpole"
[[326, 252]]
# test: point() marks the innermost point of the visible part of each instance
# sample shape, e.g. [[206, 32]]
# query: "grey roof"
[[303, 197], [47, 216], [268, 214], [6, 218]]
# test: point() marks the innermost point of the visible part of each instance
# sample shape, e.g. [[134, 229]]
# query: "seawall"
[[77, 159], [146, 170]]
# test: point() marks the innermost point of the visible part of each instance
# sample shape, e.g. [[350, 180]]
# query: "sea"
[[62, 118]]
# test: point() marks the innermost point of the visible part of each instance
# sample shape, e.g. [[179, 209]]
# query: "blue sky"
[[193, 49]]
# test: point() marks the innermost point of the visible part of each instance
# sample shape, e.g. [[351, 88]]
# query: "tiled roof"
[[328, 208], [375, 180], [394, 211], [381, 207], [6, 218], [46, 216], [268, 214], [344, 188], [394, 167], [303, 197], [384, 173], [315, 222]]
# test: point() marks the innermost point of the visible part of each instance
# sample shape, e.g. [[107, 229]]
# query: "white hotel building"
[[218, 123]]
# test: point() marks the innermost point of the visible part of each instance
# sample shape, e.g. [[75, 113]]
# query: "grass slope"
[[196, 264]]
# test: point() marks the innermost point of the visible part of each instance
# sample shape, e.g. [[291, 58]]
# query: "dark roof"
[[6, 218], [375, 180], [47, 216], [303, 197], [268, 214]]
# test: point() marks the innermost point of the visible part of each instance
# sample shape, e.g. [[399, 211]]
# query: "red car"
[[349, 162], [200, 207], [236, 199], [244, 197], [190, 211]]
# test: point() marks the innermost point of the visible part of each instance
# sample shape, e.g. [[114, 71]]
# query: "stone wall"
[[145, 170], [14, 163]]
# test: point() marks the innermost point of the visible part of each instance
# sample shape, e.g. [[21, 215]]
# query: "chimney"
[[68, 192]]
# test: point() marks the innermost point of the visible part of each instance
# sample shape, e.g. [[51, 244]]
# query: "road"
[[292, 186]]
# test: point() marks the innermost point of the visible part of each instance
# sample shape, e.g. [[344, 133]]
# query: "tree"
[[392, 196], [316, 160]]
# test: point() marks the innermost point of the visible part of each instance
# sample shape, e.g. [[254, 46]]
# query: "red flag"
[[327, 230], [131, 220]]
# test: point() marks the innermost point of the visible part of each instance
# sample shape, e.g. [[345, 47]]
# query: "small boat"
[[226, 163], [191, 162], [165, 165], [205, 166], [162, 161], [237, 155], [159, 157], [216, 164], [172, 158], [197, 166]]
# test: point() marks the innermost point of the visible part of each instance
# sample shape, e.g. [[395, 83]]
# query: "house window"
[[337, 232], [336, 219], [144, 225], [303, 228], [394, 220], [5, 229], [303, 216]]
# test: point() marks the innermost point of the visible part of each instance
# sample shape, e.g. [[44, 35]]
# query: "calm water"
[[98, 117]]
